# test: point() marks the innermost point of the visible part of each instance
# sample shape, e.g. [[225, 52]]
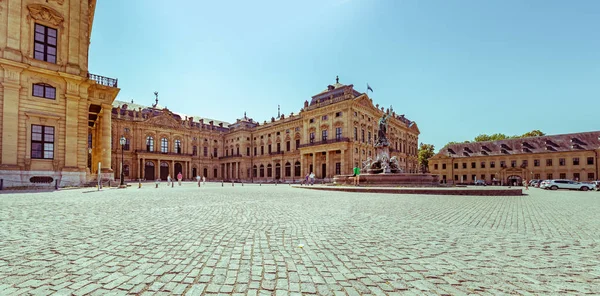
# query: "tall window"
[[536, 162], [194, 150], [270, 150], [278, 147], [297, 168], [513, 163], [338, 133], [178, 146], [338, 168], [126, 146], [42, 90], [549, 163], [288, 145], [297, 144], [254, 151], [149, 144], [45, 43], [362, 135], [205, 151], [215, 152], [312, 137], [237, 150], [369, 137], [42, 142], [288, 169], [590, 160], [324, 135], [561, 162], [262, 150], [355, 134], [483, 164], [247, 151], [575, 160], [492, 164], [164, 145]]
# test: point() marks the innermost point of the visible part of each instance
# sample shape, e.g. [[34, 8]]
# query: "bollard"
[[55, 184]]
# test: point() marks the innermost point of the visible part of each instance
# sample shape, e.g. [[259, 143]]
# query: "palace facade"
[[568, 156], [333, 132], [50, 104]]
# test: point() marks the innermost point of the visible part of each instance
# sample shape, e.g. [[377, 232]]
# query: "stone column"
[[142, 169], [71, 125], [327, 171], [314, 156], [342, 162], [302, 166], [106, 137], [10, 113], [157, 169]]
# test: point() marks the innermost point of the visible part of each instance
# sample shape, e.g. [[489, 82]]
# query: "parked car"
[[568, 184], [596, 185], [480, 183], [544, 184], [532, 183]]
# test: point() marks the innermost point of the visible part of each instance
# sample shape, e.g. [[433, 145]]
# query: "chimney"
[[220, 124], [305, 104], [211, 123], [272, 119]]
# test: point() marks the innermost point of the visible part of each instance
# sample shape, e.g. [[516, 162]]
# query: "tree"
[[498, 136], [533, 133], [425, 153]]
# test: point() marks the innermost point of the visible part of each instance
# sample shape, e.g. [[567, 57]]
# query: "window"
[[126, 146], [561, 162], [492, 164], [473, 165], [288, 146], [576, 176], [126, 170], [464, 165], [205, 151], [483, 177], [338, 133], [247, 151], [194, 150], [324, 117], [493, 177], [536, 162], [164, 145], [338, 114], [42, 90], [502, 163], [149, 144], [513, 163], [215, 150], [563, 176], [524, 163], [355, 134], [288, 169], [312, 120], [269, 148], [549, 163], [297, 168], [435, 166], [590, 160], [262, 150], [369, 138], [254, 151], [473, 177], [575, 160], [269, 171], [362, 135], [443, 166], [312, 137], [549, 176], [297, 144], [278, 147], [324, 135], [456, 165], [42, 142], [45, 44], [455, 177], [590, 176], [536, 176], [226, 152], [483, 164], [178, 146], [237, 151]]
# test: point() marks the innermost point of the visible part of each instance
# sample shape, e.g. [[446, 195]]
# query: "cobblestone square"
[[280, 240]]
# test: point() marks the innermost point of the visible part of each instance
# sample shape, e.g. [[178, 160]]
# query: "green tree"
[[425, 153], [498, 136], [533, 133]]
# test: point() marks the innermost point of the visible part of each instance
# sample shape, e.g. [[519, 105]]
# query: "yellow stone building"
[[50, 104], [568, 156], [335, 131]]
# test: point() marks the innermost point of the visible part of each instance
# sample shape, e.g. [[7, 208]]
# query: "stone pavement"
[[279, 240]]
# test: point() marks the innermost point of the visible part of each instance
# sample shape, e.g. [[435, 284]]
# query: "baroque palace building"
[[50, 104], [333, 132], [568, 156]]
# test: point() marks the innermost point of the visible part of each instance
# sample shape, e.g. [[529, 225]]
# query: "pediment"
[[164, 120], [44, 13], [365, 101]]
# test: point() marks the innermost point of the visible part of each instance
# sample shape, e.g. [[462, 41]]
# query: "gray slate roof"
[[133, 106]]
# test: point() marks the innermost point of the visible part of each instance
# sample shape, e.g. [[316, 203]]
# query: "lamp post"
[[122, 142]]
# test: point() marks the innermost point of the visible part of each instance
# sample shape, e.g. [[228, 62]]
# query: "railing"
[[230, 156], [324, 142], [163, 153], [111, 82], [276, 152]]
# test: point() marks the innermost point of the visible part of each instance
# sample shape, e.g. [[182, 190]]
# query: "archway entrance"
[[205, 175], [277, 171], [164, 170], [149, 170], [514, 180], [194, 173], [178, 169], [324, 171]]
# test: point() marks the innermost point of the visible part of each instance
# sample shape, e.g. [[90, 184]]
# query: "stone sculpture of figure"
[[367, 164], [382, 133]]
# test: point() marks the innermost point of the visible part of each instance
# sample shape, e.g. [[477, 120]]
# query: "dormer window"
[[45, 44], [46, 91]]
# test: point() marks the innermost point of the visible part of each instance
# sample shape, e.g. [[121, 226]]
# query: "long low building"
[[568, 156], [333, 132]]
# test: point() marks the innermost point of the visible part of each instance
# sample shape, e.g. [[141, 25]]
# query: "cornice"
[[46, 14]]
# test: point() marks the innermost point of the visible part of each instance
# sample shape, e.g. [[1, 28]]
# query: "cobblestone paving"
[[279, 240]]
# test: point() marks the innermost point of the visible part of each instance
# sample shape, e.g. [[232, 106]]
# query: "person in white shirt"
[[312, 178]]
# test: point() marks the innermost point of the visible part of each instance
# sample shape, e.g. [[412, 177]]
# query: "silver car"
[[568, 184]]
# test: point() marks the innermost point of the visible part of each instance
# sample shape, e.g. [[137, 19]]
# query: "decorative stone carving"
[[43, 13], [163, 120]]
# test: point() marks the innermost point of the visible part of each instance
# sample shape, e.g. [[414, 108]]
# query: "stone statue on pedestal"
[[382, 140]]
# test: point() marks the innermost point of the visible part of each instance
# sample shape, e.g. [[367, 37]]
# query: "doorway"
[[277, 171], [514, 179], [324, 171], [178, 169], [149, 170], [194, 174], [164, 170]]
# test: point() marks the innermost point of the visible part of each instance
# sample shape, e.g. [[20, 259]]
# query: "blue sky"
[[457, 68]]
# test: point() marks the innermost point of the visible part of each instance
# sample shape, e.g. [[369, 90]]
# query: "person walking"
[[198, 179], [306, 179], [312, 178], [526, 184], [203, 180], [179, 177], [169, 180], [356, 176]]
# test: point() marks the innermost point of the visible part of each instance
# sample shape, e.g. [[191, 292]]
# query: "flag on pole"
[[369, 88]]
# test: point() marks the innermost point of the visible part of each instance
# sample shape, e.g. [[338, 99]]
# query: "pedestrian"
[[203, 180], [179, 177], [198, 179], [312, 178], [356, 176], [526, 184], [169, 180], [306, 179]]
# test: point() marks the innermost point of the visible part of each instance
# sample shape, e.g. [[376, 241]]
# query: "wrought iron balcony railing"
[[106, 81], [163, 153], [230, 156], [331, 141]]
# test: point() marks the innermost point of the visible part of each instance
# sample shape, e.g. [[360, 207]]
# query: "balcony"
[[230, 156], [163, 153], [275, 152], [325, 142], [106, 81]]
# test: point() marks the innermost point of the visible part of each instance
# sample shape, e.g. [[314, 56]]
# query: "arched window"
[[262, 171], [297, 169], [149, 144], [254, 171], [164, 145], [126, 170], [288, 169], [269, 171], [178, 146]]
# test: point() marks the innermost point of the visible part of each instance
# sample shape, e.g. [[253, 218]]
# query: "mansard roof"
[[155, 110], [334, 91], [529, 145]]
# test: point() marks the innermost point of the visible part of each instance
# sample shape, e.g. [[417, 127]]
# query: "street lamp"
[[122, 142]]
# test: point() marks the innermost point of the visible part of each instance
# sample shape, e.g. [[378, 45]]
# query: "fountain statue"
[[382, 163]]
